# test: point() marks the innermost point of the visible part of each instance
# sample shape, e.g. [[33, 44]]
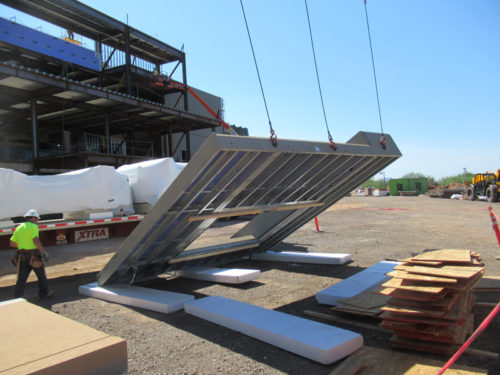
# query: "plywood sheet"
[[419, 369], [411, 295], [403, 284], [58, 345], [414, 311], [366, 300], [458, 272], [422, 346], [364, 304], [379, 361], [443, 305], [445, 255], [420, 319], [421, 262], [358, 311], [417, 277]]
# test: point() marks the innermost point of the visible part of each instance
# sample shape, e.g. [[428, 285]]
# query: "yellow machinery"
[[485, 186]]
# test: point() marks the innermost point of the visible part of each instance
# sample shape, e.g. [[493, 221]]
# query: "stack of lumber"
[[431, 300]]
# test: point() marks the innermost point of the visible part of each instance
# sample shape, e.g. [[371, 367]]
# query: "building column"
[[170, 143], [106, 133], [184, 81], [128, 60], [98, 51], [34, 133], [188, 146], [163, 140]]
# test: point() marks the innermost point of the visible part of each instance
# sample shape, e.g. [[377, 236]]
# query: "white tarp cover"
[[149, 179], [96, 188]]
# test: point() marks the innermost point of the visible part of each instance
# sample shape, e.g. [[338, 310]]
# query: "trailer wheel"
[[491, 194], [470, 193]]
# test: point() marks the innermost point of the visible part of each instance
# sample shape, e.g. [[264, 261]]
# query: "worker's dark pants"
[[24, 272]]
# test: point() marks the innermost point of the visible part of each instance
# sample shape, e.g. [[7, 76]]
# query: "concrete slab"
[[55, 345], [316, 341], [145, 298], [299, 257], [355, 284], [220, 275]]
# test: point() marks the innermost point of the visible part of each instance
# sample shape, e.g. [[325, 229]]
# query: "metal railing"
[[94, 143]]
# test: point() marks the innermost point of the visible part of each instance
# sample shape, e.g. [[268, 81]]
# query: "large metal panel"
[[280, 188]]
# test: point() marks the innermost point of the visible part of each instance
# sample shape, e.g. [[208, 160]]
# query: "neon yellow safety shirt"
[[24, 235]]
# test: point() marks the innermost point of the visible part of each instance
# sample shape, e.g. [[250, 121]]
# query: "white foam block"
[[145, 298], [298, 257], [220, 275], [355, 284], [319, 342]]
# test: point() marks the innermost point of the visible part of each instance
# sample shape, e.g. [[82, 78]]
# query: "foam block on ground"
[[145, 298], [220, 275], [319, 342], [38, 341], [299, 257], [355, 284]]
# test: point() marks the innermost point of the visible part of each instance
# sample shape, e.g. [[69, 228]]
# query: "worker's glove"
[[45, 256]]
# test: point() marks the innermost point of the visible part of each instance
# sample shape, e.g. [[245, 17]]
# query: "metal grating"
[[280, 188]]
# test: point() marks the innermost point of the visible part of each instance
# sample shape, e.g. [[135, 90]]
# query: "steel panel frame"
[[283, 186]]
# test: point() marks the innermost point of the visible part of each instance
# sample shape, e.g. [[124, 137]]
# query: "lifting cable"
[[273, 137], [332, 143], [382, 138]]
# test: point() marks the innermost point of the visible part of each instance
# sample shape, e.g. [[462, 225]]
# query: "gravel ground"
[[371, 229]]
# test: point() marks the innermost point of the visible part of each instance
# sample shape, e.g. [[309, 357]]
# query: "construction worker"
[[29, 255], [158, 78]]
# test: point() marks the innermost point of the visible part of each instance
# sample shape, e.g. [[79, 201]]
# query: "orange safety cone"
[[494, 224]]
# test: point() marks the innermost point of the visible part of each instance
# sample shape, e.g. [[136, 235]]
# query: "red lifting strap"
[[332, 143], [273, 138], [382, 142]]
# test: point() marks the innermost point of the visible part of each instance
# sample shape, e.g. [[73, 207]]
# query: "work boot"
[[49, 295]]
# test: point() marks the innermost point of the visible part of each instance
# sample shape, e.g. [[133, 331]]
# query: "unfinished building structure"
[[64, 106]]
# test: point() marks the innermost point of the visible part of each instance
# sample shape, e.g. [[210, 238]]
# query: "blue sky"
[[437, 63]]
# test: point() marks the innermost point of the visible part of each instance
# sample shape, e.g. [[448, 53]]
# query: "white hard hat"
[[32, 213]]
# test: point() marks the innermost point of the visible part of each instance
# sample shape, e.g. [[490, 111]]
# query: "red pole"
[[317, 225], [494, 224], [476, 333]]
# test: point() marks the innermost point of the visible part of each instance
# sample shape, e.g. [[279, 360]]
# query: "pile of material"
[[431, 300]]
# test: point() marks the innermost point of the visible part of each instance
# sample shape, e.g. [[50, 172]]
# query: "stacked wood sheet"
[[431, 300]]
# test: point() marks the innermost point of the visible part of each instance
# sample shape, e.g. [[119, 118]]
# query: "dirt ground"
[[371, 229]]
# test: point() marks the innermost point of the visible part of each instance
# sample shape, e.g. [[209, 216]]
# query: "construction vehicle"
[[484, 186]]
